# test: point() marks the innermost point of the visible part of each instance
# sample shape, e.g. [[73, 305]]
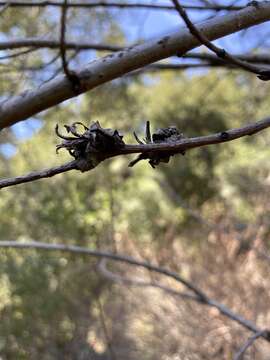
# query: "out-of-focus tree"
[[204, 215]]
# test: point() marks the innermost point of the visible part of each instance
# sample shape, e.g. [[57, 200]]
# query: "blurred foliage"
[[172, 215], [53, 295]]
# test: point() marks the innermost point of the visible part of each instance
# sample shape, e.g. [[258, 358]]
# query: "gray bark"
[[120, 63]]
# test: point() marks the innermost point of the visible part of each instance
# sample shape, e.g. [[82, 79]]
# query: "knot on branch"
[[91, 146], [169, 135], [75, 81], [264, 75]]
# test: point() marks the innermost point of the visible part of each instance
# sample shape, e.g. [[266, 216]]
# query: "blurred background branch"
[[204, 216]]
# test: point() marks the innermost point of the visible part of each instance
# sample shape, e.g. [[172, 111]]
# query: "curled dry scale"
[[92, 146], [165, 135], [96, 144]]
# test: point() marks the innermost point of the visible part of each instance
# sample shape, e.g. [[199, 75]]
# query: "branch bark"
[[200, 296], [263, 58], [37, 175], [173, 148], [263, 74], [36, 43], [120, 279], [120, 63], [116, 4], [249, 343]]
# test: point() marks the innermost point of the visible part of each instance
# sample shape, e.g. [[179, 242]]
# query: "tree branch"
[[222, 309], [36, 43], [252, 58], [140, 283], [39, 43], [263, 74], [173, 148], [70, 74], [250, 342], [201, 296], [36, 175], [116, 4], [63, 38], [120, 63], [107, 255], [153, 68]]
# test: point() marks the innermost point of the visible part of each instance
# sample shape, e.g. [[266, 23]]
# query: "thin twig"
[[113, 66], [18, 53], [36, 175], [263, 74], [62, 38], [154, 68], [262, 58], [39, 43], [222, 309], [118, 4], [36, 43], [201, 296], [70, 74], [104, 254], [250, 342], [140, 283], [177, 147]]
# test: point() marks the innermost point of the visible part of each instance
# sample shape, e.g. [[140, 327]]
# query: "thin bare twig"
[[118, 4], [201, 296], [263, 74], [104, 254], [262, 58], [250, 342], [18, 53], [62, 38], [36, 43], [113, 66], [135, 282], [39, 43], [102, 268], [70, 74], [173, 148], [154, 68], [36, 175]]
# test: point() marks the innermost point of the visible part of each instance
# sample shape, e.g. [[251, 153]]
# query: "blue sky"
[[23, 130], [146, 24]]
